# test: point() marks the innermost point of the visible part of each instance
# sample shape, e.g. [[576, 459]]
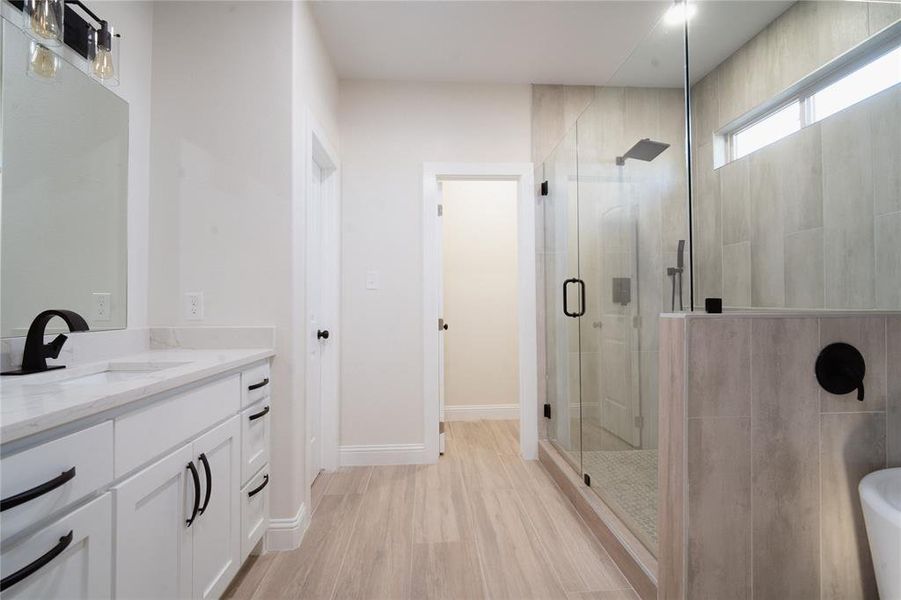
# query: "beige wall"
[[388, 130], [481, 350], [773, 462], [814, 220]]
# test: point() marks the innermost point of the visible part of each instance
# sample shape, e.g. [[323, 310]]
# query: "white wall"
[[388, 130], [481, 348], [230, 83]]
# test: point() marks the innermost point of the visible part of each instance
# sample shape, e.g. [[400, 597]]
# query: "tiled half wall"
[[759, 466]]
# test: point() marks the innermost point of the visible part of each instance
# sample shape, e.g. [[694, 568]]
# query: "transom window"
[[814, 99]]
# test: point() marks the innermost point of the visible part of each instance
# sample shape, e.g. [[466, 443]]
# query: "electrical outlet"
[[102, 306], [194, 306]]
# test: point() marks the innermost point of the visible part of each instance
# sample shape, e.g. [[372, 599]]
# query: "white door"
[[442, 327], [317, 327], [153, 539], [75, 555], [217, 528]]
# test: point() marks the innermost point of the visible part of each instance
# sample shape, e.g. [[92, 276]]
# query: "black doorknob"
[[444, 327], [322, 334]]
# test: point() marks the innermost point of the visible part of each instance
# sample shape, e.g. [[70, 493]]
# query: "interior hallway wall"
[[481, 346], [388, 130], [227, 203], [813, 220]]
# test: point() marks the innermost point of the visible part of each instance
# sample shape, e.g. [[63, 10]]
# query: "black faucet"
[[37, 352]]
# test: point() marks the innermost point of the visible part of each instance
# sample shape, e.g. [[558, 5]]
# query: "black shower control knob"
[[840, 369]]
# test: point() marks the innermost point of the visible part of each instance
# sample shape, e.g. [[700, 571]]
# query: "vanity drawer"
[[254, 511], [254, 438], [146, 433], [77, 557], [255, 384], [41, 481]]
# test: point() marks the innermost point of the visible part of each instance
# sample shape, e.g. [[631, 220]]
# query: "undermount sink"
[[116, 373], [880, 495]]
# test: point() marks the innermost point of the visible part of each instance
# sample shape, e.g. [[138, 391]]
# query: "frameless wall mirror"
[[64, 187]]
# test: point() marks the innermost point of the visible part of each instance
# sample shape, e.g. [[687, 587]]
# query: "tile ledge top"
[[32, 404], [783, 314]]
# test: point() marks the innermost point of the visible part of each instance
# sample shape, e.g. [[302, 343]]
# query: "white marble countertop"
[[30, 404]]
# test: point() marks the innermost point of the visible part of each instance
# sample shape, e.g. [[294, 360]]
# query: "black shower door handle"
[[581, 297]]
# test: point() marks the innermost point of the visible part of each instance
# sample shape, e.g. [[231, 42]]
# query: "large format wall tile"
[[719, 367], [888, 261], [799, 157], [719, 508], [893, 411], [885, 131], [882, 14], [767, 241], [848, 210], [804, 269], [851, 445], [737, 275], [735, 191], [867, 334], [785, 432]]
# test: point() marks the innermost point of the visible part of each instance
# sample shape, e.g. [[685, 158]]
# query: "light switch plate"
[[372, 280], [194, 306], [102, 306]]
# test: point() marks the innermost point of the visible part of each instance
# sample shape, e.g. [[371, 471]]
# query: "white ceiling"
[[516, 41]]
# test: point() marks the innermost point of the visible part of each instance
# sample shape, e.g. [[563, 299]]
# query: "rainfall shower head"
[[646, 150]]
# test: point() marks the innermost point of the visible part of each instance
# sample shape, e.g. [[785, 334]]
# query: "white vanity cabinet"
[[167, 511]]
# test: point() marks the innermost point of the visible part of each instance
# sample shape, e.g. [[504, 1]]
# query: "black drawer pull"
[[196, 479], [256, 491], [37, 565], [37, 491], [259, 415], [257, 386], [209, 483]]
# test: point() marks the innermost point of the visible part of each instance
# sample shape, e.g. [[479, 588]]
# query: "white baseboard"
[[382, 454], [287, 534], [479, 412]]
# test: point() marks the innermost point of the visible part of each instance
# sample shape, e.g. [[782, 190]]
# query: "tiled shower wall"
[[814, 220], [770, 507], [630, 221]]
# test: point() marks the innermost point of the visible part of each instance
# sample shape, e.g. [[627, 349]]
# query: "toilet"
[[880, 496]]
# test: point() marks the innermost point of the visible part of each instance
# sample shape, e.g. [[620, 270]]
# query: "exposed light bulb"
[[43, 61], [45, 21], [103, 64], [680, 12]]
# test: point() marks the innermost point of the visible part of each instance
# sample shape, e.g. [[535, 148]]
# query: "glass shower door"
[[561, 262]]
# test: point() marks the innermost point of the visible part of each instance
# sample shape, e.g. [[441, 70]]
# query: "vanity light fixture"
[[99, 45], [44, 20]]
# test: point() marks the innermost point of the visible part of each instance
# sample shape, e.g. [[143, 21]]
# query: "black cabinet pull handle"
[[259, 415], [209, 483], [256, 491], [36, 565], [257, 386], [196, 479], [37, 491]]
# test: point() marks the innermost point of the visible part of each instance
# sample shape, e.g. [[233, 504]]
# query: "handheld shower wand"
[[673, 273]]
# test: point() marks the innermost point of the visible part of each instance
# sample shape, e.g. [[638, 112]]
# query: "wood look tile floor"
[[482, 523]]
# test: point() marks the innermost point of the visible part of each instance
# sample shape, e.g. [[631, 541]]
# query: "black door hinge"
[[544, 188], [587, 479], [547, 411]]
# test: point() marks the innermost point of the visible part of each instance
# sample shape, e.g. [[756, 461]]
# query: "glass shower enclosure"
[[615, 231]]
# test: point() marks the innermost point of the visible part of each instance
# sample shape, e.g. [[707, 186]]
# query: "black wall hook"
[[840, 369]]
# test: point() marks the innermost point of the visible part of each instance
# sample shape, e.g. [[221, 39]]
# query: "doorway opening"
[[480, 350], [478, 333]]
